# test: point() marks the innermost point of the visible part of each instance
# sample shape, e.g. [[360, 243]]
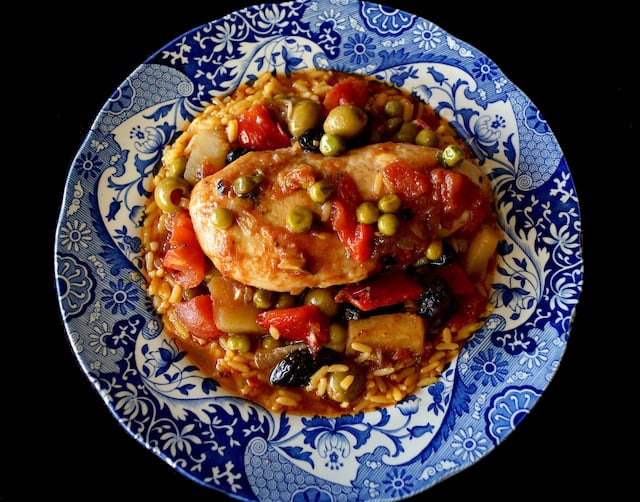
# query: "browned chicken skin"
[[258, 249]]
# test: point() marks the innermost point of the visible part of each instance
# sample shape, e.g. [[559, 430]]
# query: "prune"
[[310, 140], [235, 154], [296, 369], [437, 304]]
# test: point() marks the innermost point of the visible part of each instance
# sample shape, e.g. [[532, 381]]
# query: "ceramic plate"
[[237, 447]]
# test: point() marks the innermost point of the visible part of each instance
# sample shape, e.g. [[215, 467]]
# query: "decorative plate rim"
[[167, 405]]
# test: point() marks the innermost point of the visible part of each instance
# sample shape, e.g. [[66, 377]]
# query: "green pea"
[[263, 299], [427, 137], [332, 145], [393, 108], [165, 189], [367, 212], [244, 185], [452, 155], [222, 217], [389, 203], [239, 342], [268, 342], [299, 219], [320, 191], [346, 121], [305, 115], [388, 224], [285, 301], [323, 299]]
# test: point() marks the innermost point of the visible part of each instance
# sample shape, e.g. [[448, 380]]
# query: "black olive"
[[296, 369], [235, 154], [437, 304], [310, 140]]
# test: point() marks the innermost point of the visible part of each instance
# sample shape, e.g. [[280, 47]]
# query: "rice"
[[372, 376]]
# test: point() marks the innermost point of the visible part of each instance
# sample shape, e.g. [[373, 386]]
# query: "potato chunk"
[[387, 333]]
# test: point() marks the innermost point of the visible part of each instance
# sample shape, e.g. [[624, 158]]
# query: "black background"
[[61, 441]]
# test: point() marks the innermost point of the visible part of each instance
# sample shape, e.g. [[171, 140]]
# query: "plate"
[[234, 446]]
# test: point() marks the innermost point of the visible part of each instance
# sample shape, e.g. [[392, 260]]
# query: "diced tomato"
[[384, 290], [350, 91], [259, 130], [409, 183], [184, 258], [471, 307], [455, 193], [196, 315], [356, 237], [456, 278], [304, 323]]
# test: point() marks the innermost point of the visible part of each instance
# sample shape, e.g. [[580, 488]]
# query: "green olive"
[[263, 298], [337, 380], [244, 185], [239, 342], [305, 115], [452, 155], [367, 212], [427, 137], [299, 219], [346, 121], [388, 224], [320, 191], [389, 203], [407, 133], [323, 299], [177, 167], [393, 108], [222, 217], [164, 192], [332, 145]]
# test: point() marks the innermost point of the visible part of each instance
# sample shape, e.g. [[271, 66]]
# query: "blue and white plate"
[[235, 446]]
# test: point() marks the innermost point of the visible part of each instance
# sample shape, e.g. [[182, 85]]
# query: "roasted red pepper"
[[387, 289], [306, 323]]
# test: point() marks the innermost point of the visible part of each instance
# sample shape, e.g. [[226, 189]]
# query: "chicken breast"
[[258, 249]]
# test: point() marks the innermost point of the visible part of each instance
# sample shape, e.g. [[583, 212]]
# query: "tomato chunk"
[[184, 258], [196, 315], [259, 130], [350, 91], [304, 323]]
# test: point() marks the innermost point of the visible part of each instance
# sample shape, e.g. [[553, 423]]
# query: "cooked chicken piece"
[[258, 249]]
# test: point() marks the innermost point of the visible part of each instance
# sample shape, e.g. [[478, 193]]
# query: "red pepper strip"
[[384, 290], [300, 324], [456, 278], [471, 308]]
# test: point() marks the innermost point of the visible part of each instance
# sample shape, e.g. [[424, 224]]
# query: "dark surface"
[[575, 66]]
